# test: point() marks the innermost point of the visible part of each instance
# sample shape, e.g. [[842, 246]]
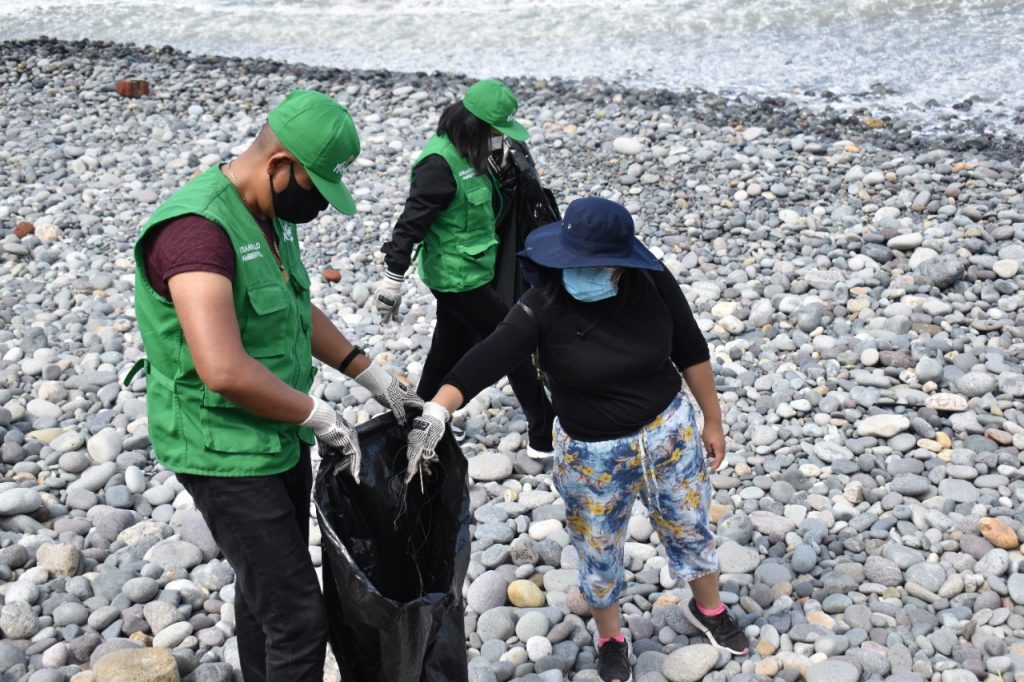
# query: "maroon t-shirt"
[[190, 243]]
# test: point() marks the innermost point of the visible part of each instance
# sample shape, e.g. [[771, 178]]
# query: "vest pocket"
[[478, 237], [164, 410], [268, 319], [300, 283], [230, 429], [478, 195]]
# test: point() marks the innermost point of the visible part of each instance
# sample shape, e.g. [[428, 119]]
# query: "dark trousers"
[[261, 524], [463, 320]]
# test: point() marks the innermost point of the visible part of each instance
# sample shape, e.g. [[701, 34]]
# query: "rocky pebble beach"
[[859, 283]]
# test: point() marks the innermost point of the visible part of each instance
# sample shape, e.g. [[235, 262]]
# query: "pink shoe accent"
[[618, 638], [711, 612]]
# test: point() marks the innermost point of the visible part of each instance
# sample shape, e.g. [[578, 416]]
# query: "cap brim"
[[336, 193], [544, 247], [513, 130]]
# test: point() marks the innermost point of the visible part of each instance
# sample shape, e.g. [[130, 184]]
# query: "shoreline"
[[835, 115], [861, 290]]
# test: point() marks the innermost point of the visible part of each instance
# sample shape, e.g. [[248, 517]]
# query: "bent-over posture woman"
[[615, 337]]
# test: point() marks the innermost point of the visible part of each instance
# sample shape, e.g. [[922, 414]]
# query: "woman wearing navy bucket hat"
[[615, 337], [454, 200]]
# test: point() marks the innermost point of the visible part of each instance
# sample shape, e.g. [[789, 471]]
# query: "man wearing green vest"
[[454, 197], [223, 304]]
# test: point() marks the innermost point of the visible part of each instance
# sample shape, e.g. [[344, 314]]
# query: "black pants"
[[463, 320], [261, 524]]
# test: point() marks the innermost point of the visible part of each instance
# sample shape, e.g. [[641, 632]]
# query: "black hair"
[[552, 284], [469, 134]]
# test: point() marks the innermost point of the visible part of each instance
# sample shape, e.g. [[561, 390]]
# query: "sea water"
[[927, 58]]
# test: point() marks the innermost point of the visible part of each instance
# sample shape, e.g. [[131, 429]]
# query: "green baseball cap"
[[492, 102], [320, 133]]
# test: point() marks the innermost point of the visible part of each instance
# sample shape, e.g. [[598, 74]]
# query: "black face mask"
[[295, 203]]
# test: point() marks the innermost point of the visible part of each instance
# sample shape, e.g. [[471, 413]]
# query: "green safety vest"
[[459, 249], [193, 429]]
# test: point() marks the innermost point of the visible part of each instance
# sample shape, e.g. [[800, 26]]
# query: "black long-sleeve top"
[[612, 365], [431, 190]]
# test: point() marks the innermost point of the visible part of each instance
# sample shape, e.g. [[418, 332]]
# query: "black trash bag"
[[394, 560], [525, 206]]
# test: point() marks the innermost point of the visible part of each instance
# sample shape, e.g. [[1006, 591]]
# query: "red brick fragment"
[[24, 228], [132, 87]]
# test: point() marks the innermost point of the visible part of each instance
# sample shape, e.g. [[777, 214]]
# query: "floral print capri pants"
[[663, 463]]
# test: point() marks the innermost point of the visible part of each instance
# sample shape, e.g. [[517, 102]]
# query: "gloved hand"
[[389, 391], [427, 431], [387, 296], [331, 429]]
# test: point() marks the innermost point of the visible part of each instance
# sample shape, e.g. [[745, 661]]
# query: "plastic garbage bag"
[[526, 205], [394, 560]]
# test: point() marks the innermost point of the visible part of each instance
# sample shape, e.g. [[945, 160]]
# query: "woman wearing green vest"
[[453, 199]]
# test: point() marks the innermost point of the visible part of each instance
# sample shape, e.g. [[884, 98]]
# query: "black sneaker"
[[613, 662], [721, 630]]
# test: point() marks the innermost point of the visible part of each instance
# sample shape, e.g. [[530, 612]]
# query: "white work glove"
[[427, 431], [389, 391], [387, 296], [332, 429]]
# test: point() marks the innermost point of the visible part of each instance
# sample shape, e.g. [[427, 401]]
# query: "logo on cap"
[[340, 168]]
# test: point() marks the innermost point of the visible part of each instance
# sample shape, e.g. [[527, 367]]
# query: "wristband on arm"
[[356, 350]]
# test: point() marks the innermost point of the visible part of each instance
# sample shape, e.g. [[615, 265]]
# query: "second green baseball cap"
[[492, 102], [320, 133]]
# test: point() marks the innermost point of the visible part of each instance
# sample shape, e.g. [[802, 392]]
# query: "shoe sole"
[[707, 633]]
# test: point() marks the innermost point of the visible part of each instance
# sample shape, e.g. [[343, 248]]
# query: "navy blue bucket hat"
[[594, 233]]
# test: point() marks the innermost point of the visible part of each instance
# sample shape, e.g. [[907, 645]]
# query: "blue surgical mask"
[[589, 284]]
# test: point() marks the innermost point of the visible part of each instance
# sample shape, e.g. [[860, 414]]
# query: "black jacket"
[[520, 205]]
